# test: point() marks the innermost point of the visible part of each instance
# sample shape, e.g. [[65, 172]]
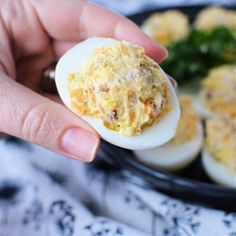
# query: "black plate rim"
[[212, 195]]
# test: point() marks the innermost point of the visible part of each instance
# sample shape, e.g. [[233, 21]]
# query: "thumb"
[[27, 115]]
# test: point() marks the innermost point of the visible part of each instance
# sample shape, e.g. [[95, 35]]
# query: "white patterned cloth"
[[45, 194]]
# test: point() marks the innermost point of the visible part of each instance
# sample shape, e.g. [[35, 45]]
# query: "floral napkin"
[[45, 194]]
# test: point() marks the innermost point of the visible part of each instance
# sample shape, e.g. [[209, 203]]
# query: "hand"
[[32, 35]]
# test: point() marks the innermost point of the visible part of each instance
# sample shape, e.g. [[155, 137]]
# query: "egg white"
[[173, 157], [193, 90], [201, 108], [151, 137], [217, 171]]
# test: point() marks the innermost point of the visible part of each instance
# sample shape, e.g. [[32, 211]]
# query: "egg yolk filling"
[[160, 26], [219, 90], [213, 17], [120, 86], [187, 126], [220, 141]]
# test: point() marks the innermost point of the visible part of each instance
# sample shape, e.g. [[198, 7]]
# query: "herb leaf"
[[191, 58]]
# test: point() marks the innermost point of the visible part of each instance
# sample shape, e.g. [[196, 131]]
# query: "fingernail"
[[165, 52], [162, 54], [173, 81], [80, 144]]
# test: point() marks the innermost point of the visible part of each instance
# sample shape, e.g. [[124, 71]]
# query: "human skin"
[[35, 33]]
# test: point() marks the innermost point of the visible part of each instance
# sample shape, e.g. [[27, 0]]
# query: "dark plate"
[[190, 184]]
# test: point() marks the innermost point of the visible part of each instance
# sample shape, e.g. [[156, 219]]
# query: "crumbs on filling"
[[220, 140], [167, 27], [120, 86], [219, 90], [187, 126]]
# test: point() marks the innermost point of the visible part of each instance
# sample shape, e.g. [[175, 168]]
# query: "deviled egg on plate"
[[219, 154], [217, 96], [120, 91], [183, 148], [212, 17], [166, 27]]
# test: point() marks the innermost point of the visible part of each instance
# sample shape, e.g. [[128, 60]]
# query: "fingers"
[[77, 20], [60, 47], [173, 81], [43, 122]]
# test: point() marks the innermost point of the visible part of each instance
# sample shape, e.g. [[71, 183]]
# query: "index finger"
[[77, 20]]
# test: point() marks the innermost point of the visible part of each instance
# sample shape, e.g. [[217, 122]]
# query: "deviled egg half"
[[212, 17], [217, 96], [183, 148], [166, 27], [120, 91], [219, 154]]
